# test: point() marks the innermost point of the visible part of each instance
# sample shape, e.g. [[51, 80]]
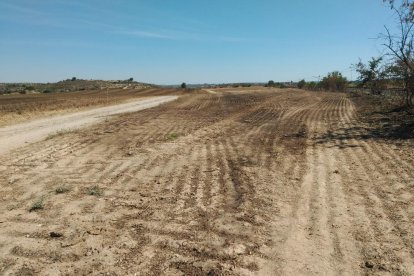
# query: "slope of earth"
[[234, 183], [16, 108]]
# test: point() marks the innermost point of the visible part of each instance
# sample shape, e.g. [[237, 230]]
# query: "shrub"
[[37, 205], [61, 190], [373, 75], [172, 136], [334, 81], [95, 191]]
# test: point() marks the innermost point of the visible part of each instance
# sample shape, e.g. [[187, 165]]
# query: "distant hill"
[[69, 85]]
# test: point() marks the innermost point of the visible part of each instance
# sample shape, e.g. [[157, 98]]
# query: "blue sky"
[[193, 41]]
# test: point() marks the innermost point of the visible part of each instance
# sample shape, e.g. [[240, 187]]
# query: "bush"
[[37, 205], [95, 191], [312, 85], [373, 75], [334, 81]]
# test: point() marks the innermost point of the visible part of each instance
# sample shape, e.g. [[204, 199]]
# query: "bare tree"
[[406, 5], [400, 46]]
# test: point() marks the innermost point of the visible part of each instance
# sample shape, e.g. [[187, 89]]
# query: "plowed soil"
[[276, 182]]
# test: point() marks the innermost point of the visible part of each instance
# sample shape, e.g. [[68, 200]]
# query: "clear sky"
[[193, 41]]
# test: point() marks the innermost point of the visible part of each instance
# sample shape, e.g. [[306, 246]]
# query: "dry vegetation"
[[234, 182], [385, 117]]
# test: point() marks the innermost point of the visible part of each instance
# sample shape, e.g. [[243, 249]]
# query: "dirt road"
[[18, 108], [15, 136], [280, 182]]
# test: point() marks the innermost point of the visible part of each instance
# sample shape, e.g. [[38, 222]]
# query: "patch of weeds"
[[247, 162], [13, 207], [172, 136], [60, 133], [37, 205], [62, 190], [95, 191]]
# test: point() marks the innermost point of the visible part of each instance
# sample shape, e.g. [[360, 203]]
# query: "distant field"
[[17, 108]]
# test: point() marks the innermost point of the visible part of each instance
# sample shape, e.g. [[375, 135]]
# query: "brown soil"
[[275, 182]]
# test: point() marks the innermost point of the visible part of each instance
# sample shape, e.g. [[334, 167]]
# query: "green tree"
[[271, 84], [183, 85], [301, 84], [334, 81], [373, 75]]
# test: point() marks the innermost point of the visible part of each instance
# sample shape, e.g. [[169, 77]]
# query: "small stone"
[[55, 235], [368, 264]]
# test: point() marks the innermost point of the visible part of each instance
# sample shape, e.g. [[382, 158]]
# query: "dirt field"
[[271, 182]]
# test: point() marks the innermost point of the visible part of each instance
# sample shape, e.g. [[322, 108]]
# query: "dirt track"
[[17, 108], [15, 136], [267, 183]]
